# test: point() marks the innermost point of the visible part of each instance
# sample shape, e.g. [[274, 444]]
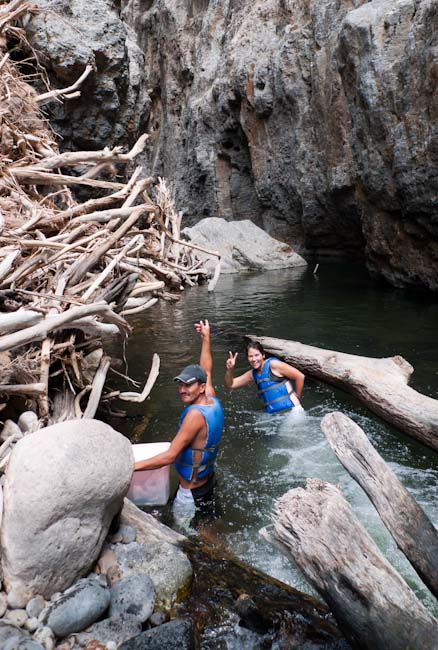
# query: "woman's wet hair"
[[255, 345]]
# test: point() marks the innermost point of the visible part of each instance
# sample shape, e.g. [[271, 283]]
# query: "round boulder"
[[64, 485]]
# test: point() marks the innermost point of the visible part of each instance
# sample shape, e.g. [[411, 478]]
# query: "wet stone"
[[35, 606], [134, 595], [78, 607], [9, 633], [175, 635], [16, 617], [31, 624], [158, 618], [17, 598]]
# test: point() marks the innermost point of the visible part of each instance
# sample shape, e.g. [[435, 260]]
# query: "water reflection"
[[263, 456]]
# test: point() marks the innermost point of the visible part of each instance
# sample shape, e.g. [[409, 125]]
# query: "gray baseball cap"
[[192, 373]]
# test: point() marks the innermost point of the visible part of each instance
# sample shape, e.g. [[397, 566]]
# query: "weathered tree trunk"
[[408, 524], [369, 599], [381, 384]]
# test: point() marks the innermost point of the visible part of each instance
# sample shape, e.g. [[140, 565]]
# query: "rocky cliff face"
[[316, 120]]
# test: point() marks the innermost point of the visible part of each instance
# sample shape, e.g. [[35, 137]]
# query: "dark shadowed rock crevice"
[[315, 120]]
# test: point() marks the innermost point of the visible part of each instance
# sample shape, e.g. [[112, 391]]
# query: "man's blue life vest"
[[214, 418], [276, 392]]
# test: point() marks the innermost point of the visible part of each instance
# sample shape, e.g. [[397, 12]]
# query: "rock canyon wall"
[[316, 120]]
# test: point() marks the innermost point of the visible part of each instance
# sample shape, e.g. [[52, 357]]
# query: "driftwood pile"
[[72, 271]]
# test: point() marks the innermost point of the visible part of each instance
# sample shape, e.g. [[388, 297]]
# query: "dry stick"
[[22, 389], [4, 59], [40, 330], [9, 441], [43, 400], [79, 396], [7, 263], [32, 222], [413, 532], [107, 270], [37, 177], [153, 374], [104, 216], [97, 387], [81, 267], [142, 307], [26, 267], [45, 97], [78, 157]]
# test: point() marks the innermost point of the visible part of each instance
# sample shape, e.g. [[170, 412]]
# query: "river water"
[[262, 456]]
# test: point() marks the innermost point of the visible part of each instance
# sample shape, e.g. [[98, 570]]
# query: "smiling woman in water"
[[279, 385]]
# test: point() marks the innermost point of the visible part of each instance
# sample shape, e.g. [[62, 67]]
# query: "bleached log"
[[38, 177], [381, 384], [370, 601], [17, 320], [153, 374], [40, 330], [22, 389], [139, 308], [97, 387], [104, 216], [412, 530]]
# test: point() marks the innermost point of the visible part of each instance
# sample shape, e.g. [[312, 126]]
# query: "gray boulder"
[[10, 632], [175, 635], [79, 607], [242, 245], [166, 565], [117, 629], [134, 595], [64, 485]]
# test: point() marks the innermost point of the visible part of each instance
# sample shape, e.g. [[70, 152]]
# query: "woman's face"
[[255, 358]]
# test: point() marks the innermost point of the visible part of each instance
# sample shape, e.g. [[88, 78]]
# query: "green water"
[[262, 456]]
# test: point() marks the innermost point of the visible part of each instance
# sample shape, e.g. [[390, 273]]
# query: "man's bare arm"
[[192, 424]]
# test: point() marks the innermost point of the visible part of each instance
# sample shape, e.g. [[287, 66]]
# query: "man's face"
[[189, 393]]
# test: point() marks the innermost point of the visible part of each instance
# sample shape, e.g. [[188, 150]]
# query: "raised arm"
[[206, 360], [230, 380], [283, 369]]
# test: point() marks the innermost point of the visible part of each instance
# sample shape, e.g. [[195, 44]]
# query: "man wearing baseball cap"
[[194, 448]]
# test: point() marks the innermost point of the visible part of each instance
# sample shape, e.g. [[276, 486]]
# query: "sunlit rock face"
[[316, 120]]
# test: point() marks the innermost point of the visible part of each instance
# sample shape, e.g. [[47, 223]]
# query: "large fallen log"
[[410, 527], [381, 384], [370, 601]]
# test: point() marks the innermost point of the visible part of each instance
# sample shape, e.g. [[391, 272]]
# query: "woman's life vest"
[[214, 418], [277, 393]]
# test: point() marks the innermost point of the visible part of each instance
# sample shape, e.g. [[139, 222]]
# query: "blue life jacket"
[[274, 391], [214, 418]]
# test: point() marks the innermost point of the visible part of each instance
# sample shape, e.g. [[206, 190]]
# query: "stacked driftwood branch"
[[71, 271]]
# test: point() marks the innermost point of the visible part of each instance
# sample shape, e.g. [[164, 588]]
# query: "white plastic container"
[[150, 487]]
